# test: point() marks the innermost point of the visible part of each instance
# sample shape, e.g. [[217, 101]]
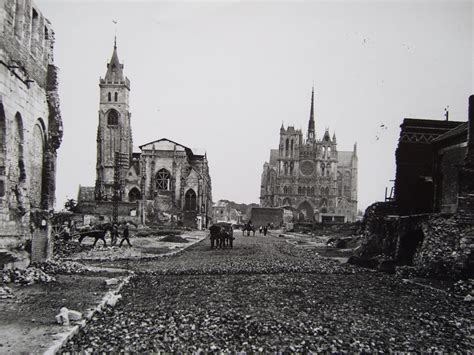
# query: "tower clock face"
[[307, 168]]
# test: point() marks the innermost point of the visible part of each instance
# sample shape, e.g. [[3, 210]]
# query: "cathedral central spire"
[[311, 132]]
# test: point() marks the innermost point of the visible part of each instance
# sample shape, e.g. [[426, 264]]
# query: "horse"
[[98, 233], [221, 236], [249, 228]]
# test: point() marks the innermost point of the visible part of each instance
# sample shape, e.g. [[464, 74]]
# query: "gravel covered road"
[[267, 295]]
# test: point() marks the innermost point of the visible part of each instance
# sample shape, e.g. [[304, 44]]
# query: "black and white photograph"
[[236, 176]]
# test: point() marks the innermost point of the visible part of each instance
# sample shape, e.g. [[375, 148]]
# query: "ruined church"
[[163, 182], [311, 176]]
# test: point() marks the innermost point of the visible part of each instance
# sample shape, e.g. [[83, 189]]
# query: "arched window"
[[190, 200], [163, 178], [37, 147], [292, 165], [3, 147], [299, 190], [134, 195], [116, 96], [291, 148], [303, 190], [112, 118], [109, 96], [323, 169], [287, 147], [285, 189], [18, 168]]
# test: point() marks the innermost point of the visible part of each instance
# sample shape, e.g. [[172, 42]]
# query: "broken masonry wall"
[[262, 216], [31, 129], [446, 251]]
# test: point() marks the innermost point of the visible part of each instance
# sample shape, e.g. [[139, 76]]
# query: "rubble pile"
[[62, 267], [5, 292], [442, 254], [27, 276], [463, 288], [379, 235], [64, 249]]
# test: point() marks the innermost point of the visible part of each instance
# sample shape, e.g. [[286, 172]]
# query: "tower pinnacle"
[[311, 133], [114, 73]]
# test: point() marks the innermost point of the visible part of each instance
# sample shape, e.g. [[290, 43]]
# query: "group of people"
[[263, 230], [98, 232]]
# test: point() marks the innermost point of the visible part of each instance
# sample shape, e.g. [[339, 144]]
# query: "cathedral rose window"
[[307, 168]]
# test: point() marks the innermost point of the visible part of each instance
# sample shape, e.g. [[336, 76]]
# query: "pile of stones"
[[27, 276], [61, 267]]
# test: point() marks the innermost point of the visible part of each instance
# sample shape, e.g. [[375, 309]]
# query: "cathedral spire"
[[114, 73], [311, 133]]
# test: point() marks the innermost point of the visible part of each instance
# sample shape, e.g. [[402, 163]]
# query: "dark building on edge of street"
[[435, 162]]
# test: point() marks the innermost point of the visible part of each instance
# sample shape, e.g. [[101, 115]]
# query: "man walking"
[[125, 236]]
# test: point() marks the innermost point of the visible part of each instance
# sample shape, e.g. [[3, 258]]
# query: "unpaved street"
[[269, 295]]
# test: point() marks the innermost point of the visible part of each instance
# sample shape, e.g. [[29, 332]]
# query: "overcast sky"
[[224, 75]]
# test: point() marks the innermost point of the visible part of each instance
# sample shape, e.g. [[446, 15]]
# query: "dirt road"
[[269, 295]]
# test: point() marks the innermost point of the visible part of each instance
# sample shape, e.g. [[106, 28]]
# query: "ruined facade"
[[30, 127], [165, 182], [311, 176]]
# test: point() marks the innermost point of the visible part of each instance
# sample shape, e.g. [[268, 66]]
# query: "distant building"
[[223, 212], [311, 176], [30, 128], [165, 182]]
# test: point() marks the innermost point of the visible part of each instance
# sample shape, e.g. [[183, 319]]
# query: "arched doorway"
[[190, 200], [134, 195], [306, 211]]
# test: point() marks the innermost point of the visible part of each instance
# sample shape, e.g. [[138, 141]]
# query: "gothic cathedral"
[[311, 177]]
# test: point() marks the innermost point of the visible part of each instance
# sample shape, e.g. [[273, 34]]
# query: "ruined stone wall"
[[263, 216], [449, 163], [104, 208], [31, 126]]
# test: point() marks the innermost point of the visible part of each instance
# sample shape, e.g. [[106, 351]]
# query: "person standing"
[[125, 236], [265, 230]]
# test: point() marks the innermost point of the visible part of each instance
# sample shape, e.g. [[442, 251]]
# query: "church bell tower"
[[114, 133]]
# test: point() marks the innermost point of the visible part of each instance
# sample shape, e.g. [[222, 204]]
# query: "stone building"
[[222, 211], [164, 182], [30, 128], [435, 160], [311, 176]]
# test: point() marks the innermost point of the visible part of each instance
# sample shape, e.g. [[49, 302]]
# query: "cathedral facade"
[[163, 182], [311, 176]]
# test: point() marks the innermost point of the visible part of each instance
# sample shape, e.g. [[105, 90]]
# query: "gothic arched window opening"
[[134, 195], [163, 179], [190, 200], [109, 96], [287, 147], [112, 118], [116, 96]]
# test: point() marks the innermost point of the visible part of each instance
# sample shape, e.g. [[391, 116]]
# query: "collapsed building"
[[30, 131], [430, 221], [311, 177], [163, 182]]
